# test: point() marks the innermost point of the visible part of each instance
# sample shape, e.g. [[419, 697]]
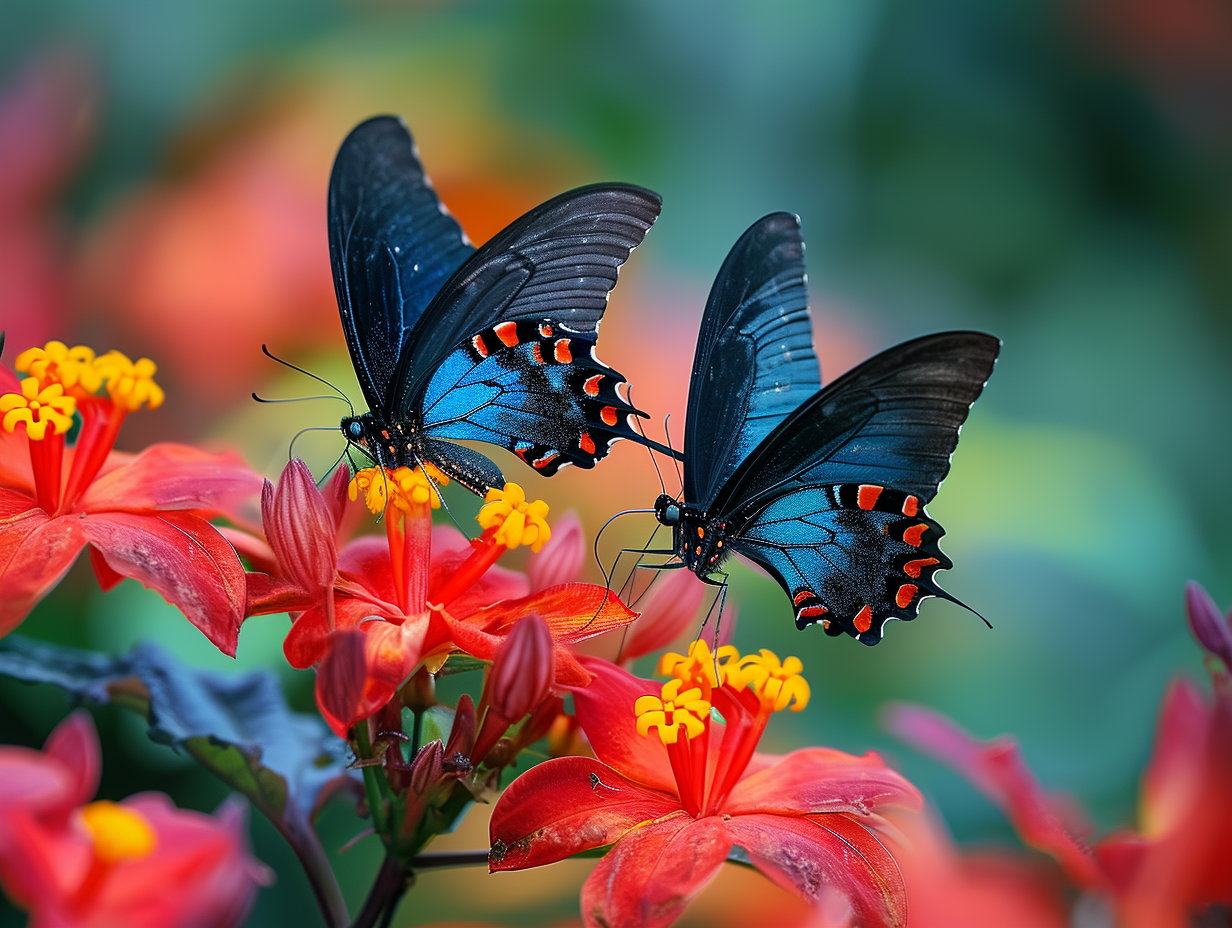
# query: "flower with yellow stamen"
[[38, 409], [697, 667], [119, 833], [673, 711], [778, 683], [516, 521], [130, 384], [72, 368]]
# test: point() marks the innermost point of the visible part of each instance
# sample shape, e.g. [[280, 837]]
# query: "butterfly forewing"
[[754, 362], [391, 247]]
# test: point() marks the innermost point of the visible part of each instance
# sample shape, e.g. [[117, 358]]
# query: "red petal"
[[807, 855], [364, 668], [308, 640], [653, 872], [669, 612], [266, 594], [605, 711], [561, 559], [1176, 766], [184, 559], [998, 770], [564, 806], [16, 475], [35, 551], [495, 585], [814, 780], [74, 743], [106, 577], [170, 476], [366, 559], [573, 611]]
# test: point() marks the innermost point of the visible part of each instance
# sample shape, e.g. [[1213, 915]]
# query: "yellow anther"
[[72, 368], [38, 409], [516, 521], [374, 483], [673, 712], [130, 384], [119, 833], [407, 488], [779, 684], [698, 667]]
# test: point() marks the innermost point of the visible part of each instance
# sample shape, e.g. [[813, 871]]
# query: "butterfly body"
[[824, 488], [497, 344]]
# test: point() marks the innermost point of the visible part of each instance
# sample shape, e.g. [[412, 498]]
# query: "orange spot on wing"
[[562, 352], [608, 415], [906, 593], [802, 596], [480, 347], [585, 443], [914, 535], [545, 330], [537, 353], [911, 505], [507, 332], [544, 461], [592, 385], [864, 619], [913, 568], [809, 612], [866, 498]]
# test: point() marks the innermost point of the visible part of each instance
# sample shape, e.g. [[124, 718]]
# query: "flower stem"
[[391, 882], [307, 847], [440, 859]]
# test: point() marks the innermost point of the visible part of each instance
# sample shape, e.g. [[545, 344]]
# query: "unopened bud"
[[426, 768], [1208, 623], [300, 528], [462, 734], [523, 670]]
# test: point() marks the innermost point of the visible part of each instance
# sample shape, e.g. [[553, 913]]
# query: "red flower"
[[415, 595], [1177, 862], [141, 863], [675, 790], [143, 517]]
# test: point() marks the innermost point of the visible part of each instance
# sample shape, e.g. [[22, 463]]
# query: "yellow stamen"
[[119, 832], [130, 385], [407, 488], [672, 712], [516, 521], [38, 409], [779, 684], [697, 668], [72, 368]]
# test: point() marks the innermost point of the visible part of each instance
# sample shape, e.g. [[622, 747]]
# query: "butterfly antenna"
[[329, 469], [273, 357], [667, 433], [638, 422], [607, 579], [311, 428], [300, 399]]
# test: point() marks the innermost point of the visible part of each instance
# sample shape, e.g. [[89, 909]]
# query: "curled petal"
[[75, 744], [998, 770], [653, 872], [808, 854], [573, 612], [184, 559], [35, 552], [364, 668], [567, 805]]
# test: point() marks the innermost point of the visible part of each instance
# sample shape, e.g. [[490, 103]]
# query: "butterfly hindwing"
[[391, 246], [533, 389], [851, 556], [505, 352], [754, 362]]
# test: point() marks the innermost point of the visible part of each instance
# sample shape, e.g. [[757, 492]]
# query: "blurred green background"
[[1059, 174]]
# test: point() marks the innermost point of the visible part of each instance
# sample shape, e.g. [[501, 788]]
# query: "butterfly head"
[[384, 444], [667, 510]]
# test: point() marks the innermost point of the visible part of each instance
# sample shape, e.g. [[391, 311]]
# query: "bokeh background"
[[1059, 174]]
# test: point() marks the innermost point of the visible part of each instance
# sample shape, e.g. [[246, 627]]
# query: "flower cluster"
[[145, 517]]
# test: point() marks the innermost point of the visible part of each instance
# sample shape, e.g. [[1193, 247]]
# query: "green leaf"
[[238, 726], [461, 663]]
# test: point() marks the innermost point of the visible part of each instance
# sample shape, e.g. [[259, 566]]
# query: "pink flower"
[[674, 790], [141, 863]]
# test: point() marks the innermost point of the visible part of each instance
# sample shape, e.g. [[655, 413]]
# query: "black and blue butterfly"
[[825, 488], [497, 344]]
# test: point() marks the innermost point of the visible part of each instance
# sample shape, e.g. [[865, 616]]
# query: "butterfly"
[[824, 488], [497, 344]]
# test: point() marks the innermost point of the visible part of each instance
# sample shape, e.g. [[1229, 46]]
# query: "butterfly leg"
[[719, 601]]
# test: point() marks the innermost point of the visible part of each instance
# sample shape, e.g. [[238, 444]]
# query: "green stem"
[[307, 846], [416, 733], [373, 777]]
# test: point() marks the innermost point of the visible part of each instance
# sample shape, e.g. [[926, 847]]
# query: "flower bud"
[[670, 611], [336, 493], [560, 559], [1208, 623], [524, 668], [427, 767], [300, 527], [462, 734]]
